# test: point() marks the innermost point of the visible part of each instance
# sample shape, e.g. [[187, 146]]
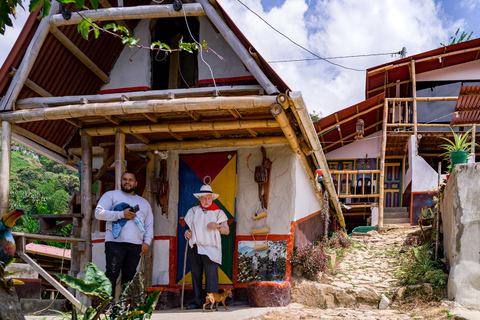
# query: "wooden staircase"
[[396, 215]]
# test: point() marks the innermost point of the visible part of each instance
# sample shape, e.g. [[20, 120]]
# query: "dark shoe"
[[194, 306]]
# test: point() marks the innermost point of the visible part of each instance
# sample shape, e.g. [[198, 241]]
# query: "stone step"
[[42, 306], [396, 221]]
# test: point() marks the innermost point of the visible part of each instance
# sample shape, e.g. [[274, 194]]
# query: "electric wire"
[[285, 36]]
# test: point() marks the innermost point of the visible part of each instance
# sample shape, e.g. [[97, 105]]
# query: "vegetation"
[[133, 302], [314, 258]]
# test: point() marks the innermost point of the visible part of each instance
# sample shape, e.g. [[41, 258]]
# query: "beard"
[[130, 190]]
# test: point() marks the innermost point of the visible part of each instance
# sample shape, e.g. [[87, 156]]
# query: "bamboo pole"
[[382, 165], [414, 93], [138, 107], [150, 172], [39, 102], [79, 54], [5, 163], [119, 158], [32, 85], [238, 48], [350, 118], [128, 13], [85, 252], [41, 141], [184, 127], [28, 60]]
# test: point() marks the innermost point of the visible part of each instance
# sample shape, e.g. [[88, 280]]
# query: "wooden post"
[[86, 202], [151, 199], [414, 94], [119, 158], [382, 165], [5, 167]]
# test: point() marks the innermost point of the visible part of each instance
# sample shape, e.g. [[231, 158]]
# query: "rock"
[[384, 303], [266, 295]]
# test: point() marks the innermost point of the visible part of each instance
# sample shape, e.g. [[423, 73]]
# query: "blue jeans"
[[121, 256]]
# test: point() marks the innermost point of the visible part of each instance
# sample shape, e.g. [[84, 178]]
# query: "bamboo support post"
[[85, 252], [150, 197], [382, 166], [6, 153], [119, 158], [184, 127], [67, 43], [28, 60], [139, 107], [129, 13], [237, 47]]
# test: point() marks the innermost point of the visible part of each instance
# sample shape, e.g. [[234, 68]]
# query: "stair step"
[[396, 220]]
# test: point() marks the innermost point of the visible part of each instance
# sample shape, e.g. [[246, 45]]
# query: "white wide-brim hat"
[[204, 190]]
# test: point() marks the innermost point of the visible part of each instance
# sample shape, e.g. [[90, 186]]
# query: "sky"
[[335, 28]]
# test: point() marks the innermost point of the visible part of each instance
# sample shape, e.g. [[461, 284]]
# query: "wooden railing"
[[355, 183]]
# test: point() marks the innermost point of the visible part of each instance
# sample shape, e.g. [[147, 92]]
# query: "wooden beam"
[[32, 85], [41, 141], [129, 13], [28, 60], [150, 117], [106, 4], [79, 54], [235, 113], [119, 158], [138, 107], [184, 127], [350, 118], [6, 153]]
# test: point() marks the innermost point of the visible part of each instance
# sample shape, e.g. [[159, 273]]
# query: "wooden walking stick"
[[183, 279]]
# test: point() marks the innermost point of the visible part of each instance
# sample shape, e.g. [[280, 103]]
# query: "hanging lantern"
[[360, 129]]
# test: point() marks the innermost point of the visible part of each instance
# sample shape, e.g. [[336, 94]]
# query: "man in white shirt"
[[205, 225], [124, 240]]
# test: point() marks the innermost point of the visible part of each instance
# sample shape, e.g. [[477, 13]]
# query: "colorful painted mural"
[[265, 265], [220, 171]]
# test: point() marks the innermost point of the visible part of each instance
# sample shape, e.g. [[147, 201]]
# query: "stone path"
[[360, 287]]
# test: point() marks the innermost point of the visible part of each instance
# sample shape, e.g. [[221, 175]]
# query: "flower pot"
[[458, 157]]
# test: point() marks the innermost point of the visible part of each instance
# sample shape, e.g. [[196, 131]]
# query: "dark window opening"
[[176, 70]]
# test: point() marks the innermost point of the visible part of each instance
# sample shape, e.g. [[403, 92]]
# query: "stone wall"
[[460, 211]]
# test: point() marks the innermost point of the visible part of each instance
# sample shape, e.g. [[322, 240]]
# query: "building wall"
[[133, 68]]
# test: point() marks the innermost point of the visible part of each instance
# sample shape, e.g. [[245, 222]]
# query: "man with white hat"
[[205, 225]]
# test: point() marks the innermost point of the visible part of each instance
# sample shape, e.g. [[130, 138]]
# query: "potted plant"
[[457, 150]]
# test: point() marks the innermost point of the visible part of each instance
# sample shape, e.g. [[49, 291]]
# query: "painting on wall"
[[264, 265]]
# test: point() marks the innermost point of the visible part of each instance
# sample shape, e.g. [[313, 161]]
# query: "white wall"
[[230, 66], [306, 202], [370, 145], [133, 69], [464, 71]]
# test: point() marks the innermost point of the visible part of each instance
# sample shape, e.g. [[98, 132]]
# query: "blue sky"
[[333, 28]]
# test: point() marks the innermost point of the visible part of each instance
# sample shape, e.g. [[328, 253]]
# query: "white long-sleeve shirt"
[[130, 232]]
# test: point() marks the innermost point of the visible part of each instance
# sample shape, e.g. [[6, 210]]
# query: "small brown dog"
[[217, 297]]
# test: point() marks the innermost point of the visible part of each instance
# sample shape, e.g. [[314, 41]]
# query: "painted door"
[[393, 183], [220, 171]]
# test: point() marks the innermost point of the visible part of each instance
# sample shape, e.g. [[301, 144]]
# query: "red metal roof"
[[424, 62], [467, 109]]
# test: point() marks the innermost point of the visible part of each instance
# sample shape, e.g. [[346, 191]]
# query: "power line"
[[316, 55], [330, 58]]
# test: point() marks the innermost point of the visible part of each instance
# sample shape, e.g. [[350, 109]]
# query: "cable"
[[330, 58], [316, 55]]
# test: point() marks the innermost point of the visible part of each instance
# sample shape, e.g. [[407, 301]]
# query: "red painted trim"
[[219, 80], [306, 218], [411, 202], [119, 90]]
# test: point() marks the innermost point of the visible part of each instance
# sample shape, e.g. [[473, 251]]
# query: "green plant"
[[459, 143], [133, 302]]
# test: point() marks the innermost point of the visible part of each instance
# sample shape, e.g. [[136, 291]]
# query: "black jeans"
[[199, 262], [121, 256]]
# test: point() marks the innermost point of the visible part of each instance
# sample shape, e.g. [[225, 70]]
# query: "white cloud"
[[339, 28]]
